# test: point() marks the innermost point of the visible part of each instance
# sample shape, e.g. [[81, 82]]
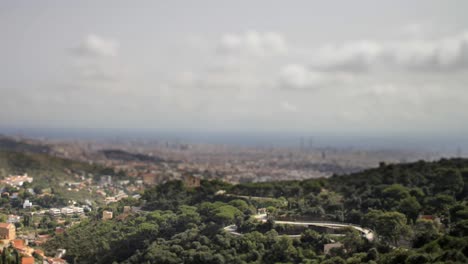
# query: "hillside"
[[50, 173], [418, 212], [117, 154]]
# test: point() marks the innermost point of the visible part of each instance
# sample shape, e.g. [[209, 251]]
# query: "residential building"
[[27, 260], [7, 231], [330, 246], [54, 211], [17, 180], [27, 204], [107, 215], [191, 181]]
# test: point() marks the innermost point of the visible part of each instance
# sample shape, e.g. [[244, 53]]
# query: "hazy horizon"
[[449, 146]]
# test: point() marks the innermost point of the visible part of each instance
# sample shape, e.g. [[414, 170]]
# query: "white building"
[[27, 204], [54, 211]]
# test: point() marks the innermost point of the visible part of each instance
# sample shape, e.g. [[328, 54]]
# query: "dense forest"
[[49, 173], [418, 212]]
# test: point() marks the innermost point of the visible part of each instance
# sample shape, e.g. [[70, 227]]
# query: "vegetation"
[[419, 212], [50, 173]]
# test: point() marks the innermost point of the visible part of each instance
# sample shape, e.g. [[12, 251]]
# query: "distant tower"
[[301, 144], [459, 152]]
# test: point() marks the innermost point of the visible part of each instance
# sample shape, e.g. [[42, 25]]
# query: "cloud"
[[97, 46], [450, 53], [299, 77], [95, 65], [288, 107], [252, 43], [442, 54], [352, 57]]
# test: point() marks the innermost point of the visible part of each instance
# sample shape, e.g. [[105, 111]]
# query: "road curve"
[[367, 233]]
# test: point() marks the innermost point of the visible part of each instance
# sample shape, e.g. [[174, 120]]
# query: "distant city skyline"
[[360, 69]]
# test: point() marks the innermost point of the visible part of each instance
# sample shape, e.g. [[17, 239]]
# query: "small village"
[[25, 225]]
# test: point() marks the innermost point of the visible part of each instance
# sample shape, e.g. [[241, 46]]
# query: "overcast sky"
[[362, 67]]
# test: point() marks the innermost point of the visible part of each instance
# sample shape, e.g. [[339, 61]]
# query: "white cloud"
[[449, 53], [252, 43], [288, 107], [354, 56], [297, 76], [97, 46]]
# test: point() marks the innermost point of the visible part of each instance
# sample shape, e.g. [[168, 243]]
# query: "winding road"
[[367, 233]]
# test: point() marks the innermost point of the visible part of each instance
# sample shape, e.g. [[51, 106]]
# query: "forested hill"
[[418, 212], [50, 172], [446, 176], [10, 144]]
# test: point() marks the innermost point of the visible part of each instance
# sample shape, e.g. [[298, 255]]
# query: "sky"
[[325, 67]]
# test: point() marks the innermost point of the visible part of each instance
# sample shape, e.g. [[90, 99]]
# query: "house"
[[430, 218], [27, 260], [330, 246], [41, 239], [191, 181], [17, 180], [27, 204], [39, 252], [66, 211], [107, 215], [13, 219], [105, 180], [22, 246], [54, 211], [7, 231], [59, 230], [150, 178]]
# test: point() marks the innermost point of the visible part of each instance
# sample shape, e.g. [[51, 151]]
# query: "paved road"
[[367, 233]]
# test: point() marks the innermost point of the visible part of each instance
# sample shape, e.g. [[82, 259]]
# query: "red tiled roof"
[[428, 217], [18, 244], [27, 260]]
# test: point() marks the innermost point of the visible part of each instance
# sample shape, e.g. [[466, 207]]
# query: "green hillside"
[[185, 225], [49, 172]]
